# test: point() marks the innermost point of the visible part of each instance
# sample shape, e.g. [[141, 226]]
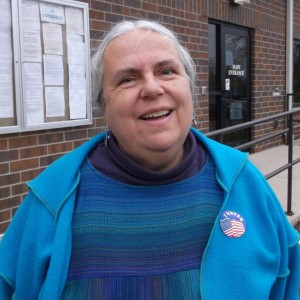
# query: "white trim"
[[289, 50]]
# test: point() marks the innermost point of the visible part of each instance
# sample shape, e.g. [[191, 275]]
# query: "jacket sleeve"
[[293, 283], [25, 250], [287, 284]]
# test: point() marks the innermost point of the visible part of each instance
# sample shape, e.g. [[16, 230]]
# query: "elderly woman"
[[151, 209]]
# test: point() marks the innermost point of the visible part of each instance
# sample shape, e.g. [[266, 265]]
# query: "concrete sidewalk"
[[271, 159]]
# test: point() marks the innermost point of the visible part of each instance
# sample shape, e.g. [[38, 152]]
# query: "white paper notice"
[[77, 71], [33, 73], [34, 105], [5, 17], [31, 26], [52, 13], [76, 53], [30, 16], [53, 70], [6, 62], [77, 84], [32, 50], [33, 93], [74, 21], [52, 37], [77, 98], [74, 38], [55, 101], [6, 95], [77, 81], [30, 11]]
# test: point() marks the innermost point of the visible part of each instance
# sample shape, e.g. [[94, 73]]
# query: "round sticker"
[[232, 224]]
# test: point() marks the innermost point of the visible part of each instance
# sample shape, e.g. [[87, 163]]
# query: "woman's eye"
[[167, 72], [126, 80]]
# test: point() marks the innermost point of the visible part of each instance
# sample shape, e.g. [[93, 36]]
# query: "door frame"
[[223, 28]]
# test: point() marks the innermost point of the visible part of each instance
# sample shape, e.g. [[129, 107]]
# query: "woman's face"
[[147, 97]]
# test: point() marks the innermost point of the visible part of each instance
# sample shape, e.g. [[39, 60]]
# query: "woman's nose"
[[151, 87]]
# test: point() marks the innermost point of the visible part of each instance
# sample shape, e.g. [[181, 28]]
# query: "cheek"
[[183, 90], [120, 105], [118, 116], [185, 97]]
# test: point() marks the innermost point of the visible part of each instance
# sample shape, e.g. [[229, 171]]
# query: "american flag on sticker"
[[232, 224]]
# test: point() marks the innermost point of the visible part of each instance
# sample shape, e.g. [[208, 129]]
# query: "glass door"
[[229, 80], [296, 74]]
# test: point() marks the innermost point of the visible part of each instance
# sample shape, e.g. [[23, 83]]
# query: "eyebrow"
[[159, 64], [168, 62]]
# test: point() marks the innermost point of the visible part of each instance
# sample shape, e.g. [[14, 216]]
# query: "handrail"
[[290, 133]]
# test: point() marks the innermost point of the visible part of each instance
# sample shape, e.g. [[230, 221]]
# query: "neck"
[[161, 161], [156, 160]]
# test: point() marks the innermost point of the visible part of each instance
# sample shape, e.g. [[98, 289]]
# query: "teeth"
[[156, 114]]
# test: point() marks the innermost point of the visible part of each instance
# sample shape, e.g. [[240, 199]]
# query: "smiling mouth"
[[156, 115]]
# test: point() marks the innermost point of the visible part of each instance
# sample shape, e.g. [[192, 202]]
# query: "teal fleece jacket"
[[264, 263]]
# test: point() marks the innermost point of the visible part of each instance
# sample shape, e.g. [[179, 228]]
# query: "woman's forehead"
[[142, 43], [138, 39]]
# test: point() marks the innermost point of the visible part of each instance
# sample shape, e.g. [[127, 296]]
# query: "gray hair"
[[125, 27]]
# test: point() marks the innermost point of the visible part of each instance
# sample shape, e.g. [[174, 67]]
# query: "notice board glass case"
[[44, 65]]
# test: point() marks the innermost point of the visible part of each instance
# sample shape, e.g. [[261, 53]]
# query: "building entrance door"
[[229, 80]]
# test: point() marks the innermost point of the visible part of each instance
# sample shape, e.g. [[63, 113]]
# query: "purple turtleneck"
[[114, 163]]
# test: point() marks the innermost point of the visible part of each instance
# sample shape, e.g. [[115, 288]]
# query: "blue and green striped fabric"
[[140, 242]]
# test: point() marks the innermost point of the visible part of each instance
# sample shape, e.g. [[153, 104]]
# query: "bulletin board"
[[47, 83], [7, 82]]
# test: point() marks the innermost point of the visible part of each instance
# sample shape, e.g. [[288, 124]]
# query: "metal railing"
[[289, 132]]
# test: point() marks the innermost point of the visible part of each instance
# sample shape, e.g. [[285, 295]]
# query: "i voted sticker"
[[232, 224]]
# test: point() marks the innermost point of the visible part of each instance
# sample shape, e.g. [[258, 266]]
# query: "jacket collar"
[[228, 160], [60, 179]]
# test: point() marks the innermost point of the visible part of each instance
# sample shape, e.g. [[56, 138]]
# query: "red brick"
[[51, 138], [76, 135], [78, 143], [24, 164], [4, 192], [5, 215], [47, 160], [3, 144], [96, 15], [10, 155], [9, 179], [150, 7], [24, 141], [29, 175], [59, 148], [3, 227], [33, 152], [132, 3], [15, 202], [4, 204], [4, 168], [19, 189]]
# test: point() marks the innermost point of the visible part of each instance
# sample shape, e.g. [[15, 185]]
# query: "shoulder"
[[56, 182], [229, 161]]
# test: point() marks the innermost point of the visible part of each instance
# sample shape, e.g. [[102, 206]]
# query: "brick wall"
[[23, 156]]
